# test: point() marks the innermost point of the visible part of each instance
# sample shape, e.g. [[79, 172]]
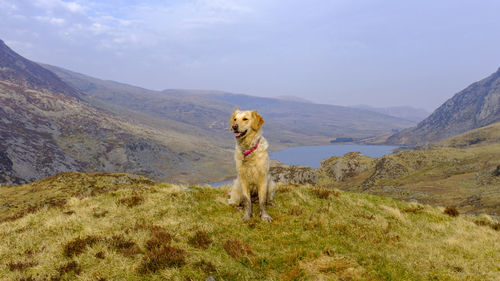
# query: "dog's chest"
[[252, 165]]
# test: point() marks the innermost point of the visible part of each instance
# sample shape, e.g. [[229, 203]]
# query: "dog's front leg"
[[263, 201], [247, 202]]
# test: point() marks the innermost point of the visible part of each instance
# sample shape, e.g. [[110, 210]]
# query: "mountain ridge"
[[287, 122], [47, 127], [476, 106], [19, 70]]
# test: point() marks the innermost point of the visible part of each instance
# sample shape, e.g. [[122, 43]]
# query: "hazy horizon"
[[377, 53]]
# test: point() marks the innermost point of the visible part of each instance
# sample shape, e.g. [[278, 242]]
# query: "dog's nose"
[[235, 127]]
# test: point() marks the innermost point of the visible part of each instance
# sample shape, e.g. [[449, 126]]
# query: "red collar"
[[246, 153]]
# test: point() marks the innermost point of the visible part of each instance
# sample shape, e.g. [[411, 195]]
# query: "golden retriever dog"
[[252, 164]]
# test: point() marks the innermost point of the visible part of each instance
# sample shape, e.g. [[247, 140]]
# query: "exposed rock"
[[386, 167], [294, 174], [348, 166]]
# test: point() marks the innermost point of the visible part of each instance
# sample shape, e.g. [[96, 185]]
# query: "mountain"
[[47, 127], [17, 70], [124, 227], [476, 106], [307, 123], [403, 112], [206, 112], [293, 98]]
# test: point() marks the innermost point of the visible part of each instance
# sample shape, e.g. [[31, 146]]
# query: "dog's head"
[[244, 123]]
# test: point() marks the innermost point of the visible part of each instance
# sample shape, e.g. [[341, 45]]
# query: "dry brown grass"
[[200, 239], [124, 246], [236, 248], [100, 255], [70, 267], [78, 245], [485, 220], [162, 257], [451, 211], [158, 239], [131, 201], [324, 193], [20, 265], [205, 266]]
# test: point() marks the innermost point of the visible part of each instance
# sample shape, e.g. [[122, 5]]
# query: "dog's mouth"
[[239, 134]]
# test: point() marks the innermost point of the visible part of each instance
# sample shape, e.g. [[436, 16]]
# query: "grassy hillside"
[[121, 227], [481, 136], [465, 178]]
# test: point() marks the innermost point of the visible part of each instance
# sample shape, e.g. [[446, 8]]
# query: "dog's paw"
[[246, 218], [266, 218]]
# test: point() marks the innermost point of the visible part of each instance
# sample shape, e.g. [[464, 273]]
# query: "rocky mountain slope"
[[124, 227], [18, 70], [287, 122], [46, 127], [476, 106]]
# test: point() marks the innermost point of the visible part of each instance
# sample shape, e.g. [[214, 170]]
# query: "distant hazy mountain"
[[476, 106], [291, 121], [293, 98], [403, 112], [205, 113], [46, 127]]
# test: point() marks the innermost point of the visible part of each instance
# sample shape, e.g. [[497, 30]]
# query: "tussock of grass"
[[158, 239], [126, 247], [236, 248], [20, 265], [451, 211], [99, 214], [205, 266], [100, 255], [415, 209], [485, 220], [131, 201], [166, 237], [324, 193], [200, 239], [162, 257], [70, 267], [76, 246]]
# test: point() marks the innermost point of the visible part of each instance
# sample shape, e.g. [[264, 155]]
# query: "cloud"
[[52, 20], [263, 47], [73, 7]]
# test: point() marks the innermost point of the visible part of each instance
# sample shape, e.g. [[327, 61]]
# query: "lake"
[[312, 155]]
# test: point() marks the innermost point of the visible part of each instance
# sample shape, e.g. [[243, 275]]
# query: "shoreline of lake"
[[312, 156]]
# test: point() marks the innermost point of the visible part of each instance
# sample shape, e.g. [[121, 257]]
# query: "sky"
[[344, 52]]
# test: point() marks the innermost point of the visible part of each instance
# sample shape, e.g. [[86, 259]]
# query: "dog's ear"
[[231, 121], [257, 121]]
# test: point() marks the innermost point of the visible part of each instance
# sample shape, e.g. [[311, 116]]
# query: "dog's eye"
[[234, 119], [245, 119]]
